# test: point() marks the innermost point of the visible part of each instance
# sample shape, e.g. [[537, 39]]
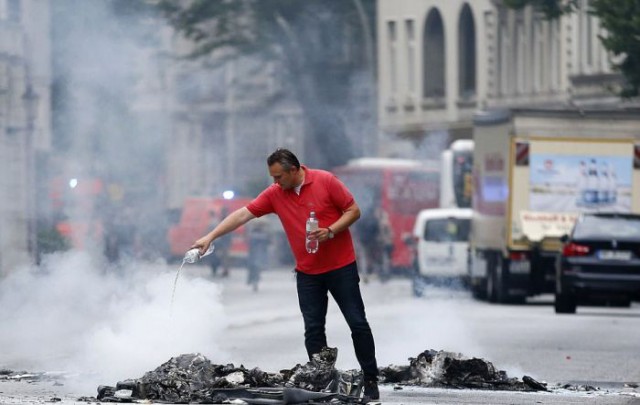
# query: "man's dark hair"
[[285, 157]]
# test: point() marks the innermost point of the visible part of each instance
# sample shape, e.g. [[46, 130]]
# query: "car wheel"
[[565, 303]]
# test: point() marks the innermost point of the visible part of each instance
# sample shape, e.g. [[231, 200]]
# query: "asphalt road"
[[597, 346]]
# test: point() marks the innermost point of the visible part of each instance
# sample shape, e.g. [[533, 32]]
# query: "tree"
[[318, 44], [621, 20]]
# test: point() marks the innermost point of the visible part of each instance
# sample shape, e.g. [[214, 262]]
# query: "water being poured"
[[192, 256], [175, 283]]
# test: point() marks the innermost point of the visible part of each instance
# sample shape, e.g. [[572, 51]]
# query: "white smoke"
[[440, 327], [71, 315]]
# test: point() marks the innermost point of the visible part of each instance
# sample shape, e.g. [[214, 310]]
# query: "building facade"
[[223, 126], [25, 129], [440, 61]]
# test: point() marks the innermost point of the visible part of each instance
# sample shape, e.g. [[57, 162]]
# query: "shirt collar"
[[308, 175]]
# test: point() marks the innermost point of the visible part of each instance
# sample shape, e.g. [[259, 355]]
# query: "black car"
[[600, 260]]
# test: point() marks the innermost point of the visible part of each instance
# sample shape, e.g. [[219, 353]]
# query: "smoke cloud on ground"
[[440, 326], [72, 315]]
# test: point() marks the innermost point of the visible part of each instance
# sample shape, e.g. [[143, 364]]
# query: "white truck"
[[534, 171]]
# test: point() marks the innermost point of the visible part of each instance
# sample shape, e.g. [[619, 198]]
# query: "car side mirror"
[[564, 238]]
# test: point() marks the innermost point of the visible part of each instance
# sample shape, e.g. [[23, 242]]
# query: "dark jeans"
[[343, 286]]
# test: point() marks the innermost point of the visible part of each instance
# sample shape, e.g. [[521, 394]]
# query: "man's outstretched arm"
[[232, 222]]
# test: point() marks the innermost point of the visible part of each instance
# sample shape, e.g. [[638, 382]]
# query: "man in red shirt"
[[295, 192]]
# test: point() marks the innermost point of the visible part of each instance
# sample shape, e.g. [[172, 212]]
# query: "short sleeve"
[[340, 194], [262, 205]]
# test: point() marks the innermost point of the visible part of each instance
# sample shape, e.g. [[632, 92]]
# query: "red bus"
[[401, 187]]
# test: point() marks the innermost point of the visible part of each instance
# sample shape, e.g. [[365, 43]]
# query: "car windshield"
[[447, 230], [594, 227]]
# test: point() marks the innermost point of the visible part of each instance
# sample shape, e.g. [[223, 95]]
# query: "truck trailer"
[[535, 171]]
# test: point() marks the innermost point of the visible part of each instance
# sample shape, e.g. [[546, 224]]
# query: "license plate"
[[614, 255]]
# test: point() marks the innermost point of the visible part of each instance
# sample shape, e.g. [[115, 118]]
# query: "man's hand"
[[322, 234], [349, 216], [202, 244]]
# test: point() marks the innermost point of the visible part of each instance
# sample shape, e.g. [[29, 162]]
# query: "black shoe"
[[371, 389]]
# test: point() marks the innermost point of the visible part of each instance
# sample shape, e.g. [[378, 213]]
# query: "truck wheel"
[[497, 281], [502, 281], [565, 303], [491, 293]]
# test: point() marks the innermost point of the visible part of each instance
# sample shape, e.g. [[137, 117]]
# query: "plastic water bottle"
[[312, 225], [193, 255]]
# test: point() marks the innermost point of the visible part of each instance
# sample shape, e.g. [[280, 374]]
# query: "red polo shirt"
[[323, 193]]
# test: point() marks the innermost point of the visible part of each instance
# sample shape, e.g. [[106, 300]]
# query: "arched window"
[[434, 56], [466, 54]]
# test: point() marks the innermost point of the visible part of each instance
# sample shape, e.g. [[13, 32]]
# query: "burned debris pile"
[[452, 370], [192, 378], [187, 378]]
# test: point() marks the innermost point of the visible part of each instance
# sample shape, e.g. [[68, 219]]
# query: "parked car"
[[441, 242], [600, 260]]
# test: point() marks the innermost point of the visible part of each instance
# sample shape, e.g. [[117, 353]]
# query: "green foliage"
[[253, 26], [308, 38], [621, 20]]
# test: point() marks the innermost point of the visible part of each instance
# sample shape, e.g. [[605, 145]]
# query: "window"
[[410, 32], [447, 230], [539, 55], [392, 35], [554, 60], [434, 56], [503, 54], [607, 227], [519, 55], [467, 54], [585, 37]]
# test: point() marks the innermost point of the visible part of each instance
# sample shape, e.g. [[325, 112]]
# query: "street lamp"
[[30, 101]]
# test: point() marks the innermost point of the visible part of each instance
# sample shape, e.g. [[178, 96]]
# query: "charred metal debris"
[[192, 378], [452, 370]]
